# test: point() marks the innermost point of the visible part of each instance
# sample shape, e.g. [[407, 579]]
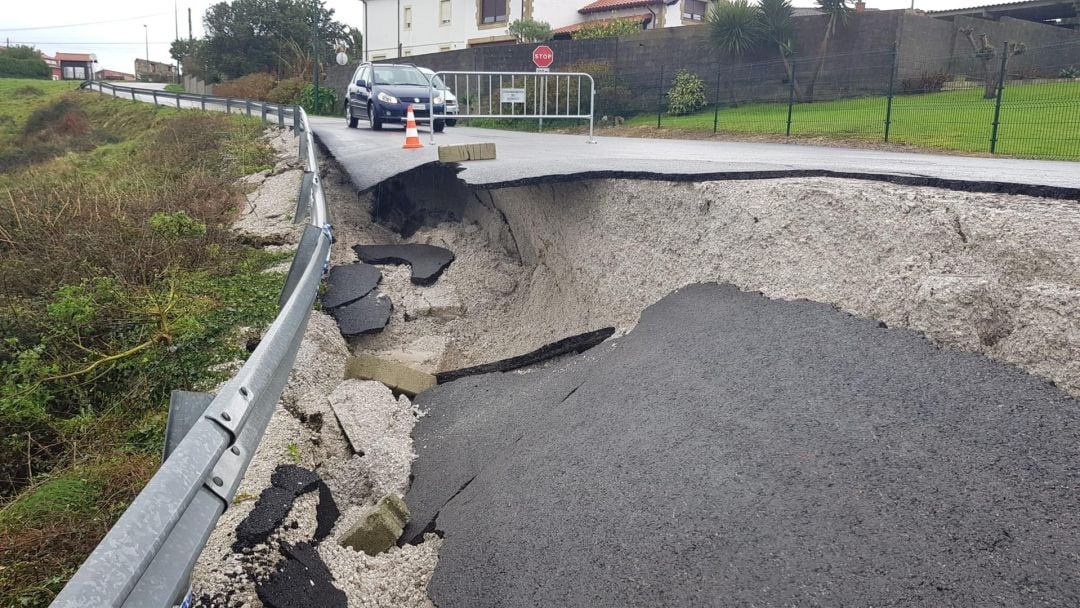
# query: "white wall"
[[559, 13], [427, 34]]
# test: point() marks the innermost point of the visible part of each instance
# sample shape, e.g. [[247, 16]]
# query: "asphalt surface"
[[370, 157], [738, 451]]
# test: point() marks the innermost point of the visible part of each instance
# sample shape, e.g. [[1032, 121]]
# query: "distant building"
[[76, 66], [54, 65], [154, 71], [113, 75], [1065, 13]]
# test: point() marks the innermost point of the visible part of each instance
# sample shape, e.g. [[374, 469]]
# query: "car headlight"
[[438, 100], [383, 97]]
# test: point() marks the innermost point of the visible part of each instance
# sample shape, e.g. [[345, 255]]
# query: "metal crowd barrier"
[[517, 95], [146, 559]]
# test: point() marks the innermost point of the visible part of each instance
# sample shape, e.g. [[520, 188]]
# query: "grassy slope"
[[1037, 120], [115, 237]]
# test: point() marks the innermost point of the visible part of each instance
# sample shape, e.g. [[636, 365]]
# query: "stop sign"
[[543, 56]]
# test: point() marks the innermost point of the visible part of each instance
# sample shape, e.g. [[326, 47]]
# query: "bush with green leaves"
[[1070, 72], [529, 30], [687, 94], [22, 62], [327, 100], [608, 28]]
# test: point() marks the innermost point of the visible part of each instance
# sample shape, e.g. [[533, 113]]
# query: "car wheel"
[[439, 126], [349, 118], [376, 124]]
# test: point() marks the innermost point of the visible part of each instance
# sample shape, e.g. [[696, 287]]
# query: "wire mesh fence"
[[1029, 109]]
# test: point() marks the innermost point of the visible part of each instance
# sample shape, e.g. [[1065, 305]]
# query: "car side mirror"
[[360, 83]]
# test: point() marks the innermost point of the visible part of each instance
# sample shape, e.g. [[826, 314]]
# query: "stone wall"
[[859, 61]]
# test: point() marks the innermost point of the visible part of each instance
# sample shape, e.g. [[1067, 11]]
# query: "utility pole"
[[176, 35], [190, 35], [146, 33], [315, 50]]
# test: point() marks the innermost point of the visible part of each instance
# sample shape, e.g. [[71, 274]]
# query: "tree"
[[607, 29], [837, 13], [985, 52], [777, 28], [528, 30], [274, 36], [354, 40], [735, 27], [22, 62]]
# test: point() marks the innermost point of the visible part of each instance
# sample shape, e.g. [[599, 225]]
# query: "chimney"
[[860, 6]]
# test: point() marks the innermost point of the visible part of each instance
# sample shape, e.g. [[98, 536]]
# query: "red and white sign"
[[543, 56]]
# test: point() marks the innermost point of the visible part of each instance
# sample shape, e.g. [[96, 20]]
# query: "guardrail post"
[[281, 116], [202, 102], [228, 105], [263, 108], [178, 100], [1000, 94], [155, 98], [247, 105], [132, 94]]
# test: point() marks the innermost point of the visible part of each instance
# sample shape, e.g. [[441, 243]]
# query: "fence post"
[[716, 101], [790, 102], [1000, 94], [660, 97], [888, 106]]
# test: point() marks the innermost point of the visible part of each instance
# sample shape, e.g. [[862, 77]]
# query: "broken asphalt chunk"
[[347, 284], [367, 315], [287, 482], [427, 261], [302, 580], [574, 344]]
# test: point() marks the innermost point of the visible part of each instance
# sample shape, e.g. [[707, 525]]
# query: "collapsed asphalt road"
[[738, 451]]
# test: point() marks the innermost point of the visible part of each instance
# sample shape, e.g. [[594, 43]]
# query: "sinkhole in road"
[[982, 272]]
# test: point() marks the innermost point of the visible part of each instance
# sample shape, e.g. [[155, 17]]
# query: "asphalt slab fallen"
[[738, 451]]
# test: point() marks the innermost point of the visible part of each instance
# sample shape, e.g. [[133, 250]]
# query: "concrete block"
[[398, 377], [380, 527], [440, 301], [457, 153]]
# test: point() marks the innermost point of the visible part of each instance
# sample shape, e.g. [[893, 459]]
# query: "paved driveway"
[[370, 157]]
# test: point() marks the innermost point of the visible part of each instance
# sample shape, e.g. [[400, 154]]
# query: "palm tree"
[[837, 12], [735, 27], [777, 27]]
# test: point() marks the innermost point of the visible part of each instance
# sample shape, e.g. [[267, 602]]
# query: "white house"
[[402, 28]]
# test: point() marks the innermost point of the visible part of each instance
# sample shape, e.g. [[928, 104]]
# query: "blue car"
[[383, 93]]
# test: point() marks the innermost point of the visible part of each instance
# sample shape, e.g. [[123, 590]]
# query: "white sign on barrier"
[[512, 95]]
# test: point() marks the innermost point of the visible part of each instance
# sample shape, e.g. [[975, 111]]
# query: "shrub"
[[925, 83], [687, 94], [22, 62], [1070, 72], [176, 225], [252, 86], [288, 91], [607, 29], [613, 96], [327, 100], [528, 30]]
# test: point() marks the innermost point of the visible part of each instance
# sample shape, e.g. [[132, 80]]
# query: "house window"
[[444, 12], [69, 72], [694, 10], [408, 18], [492, 11]]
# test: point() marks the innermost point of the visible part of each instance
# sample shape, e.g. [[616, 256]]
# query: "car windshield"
[[400, 75]]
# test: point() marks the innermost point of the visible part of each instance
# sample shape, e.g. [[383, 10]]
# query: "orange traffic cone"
[[412, 138]]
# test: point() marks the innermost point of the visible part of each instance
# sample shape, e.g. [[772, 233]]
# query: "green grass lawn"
[[1037, 120]]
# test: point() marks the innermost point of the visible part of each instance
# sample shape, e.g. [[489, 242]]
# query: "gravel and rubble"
[[304, 432]]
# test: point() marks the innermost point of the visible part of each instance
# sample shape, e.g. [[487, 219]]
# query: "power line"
[[84, 43], [55, 27]]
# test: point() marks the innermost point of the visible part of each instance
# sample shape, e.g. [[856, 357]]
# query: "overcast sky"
[[113, 30]]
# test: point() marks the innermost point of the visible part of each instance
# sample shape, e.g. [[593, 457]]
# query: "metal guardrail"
[[518, 95], [146, 559]]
